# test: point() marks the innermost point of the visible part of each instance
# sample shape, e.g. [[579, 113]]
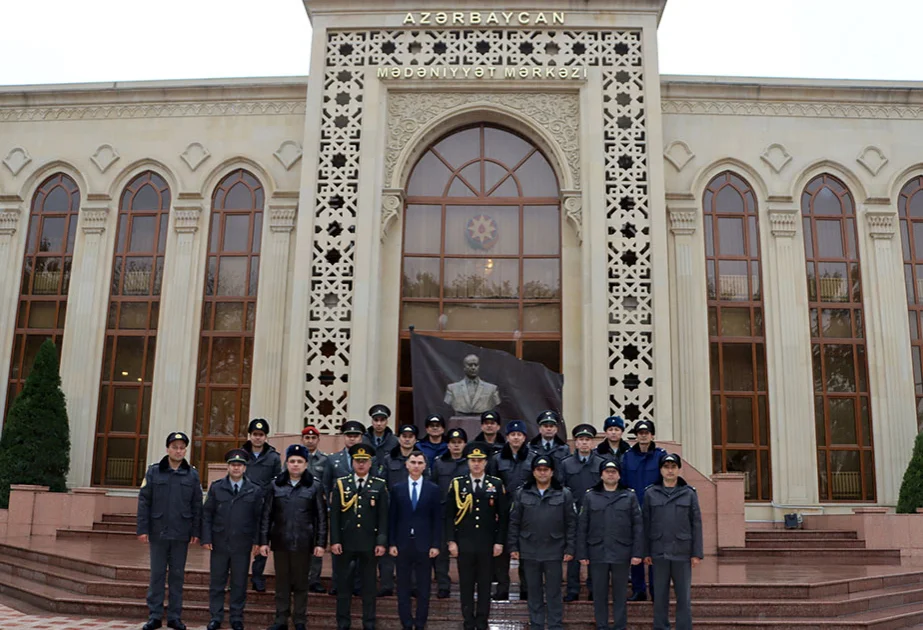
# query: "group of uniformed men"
[[391, 501]]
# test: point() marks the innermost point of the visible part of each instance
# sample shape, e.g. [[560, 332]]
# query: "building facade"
[[734, 259]]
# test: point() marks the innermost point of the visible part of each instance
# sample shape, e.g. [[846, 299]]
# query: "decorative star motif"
[[482, 229]]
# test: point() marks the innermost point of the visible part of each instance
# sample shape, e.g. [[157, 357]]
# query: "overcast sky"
[[69, 41]]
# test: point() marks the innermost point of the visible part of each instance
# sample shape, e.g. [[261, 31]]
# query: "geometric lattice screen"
[[349, 53]]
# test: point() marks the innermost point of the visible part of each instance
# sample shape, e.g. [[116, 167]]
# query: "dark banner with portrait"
[[460, 381]]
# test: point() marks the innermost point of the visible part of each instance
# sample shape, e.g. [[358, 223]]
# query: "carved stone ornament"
[[288, 154], [391, 203], [573, 211], [558, 114], [8, 223], [282, 215], [683, 220], [776, 156], [881, 223], [105, 157], [678, 154], [186, 212], [783, 222], [194, 155], [873, 159], [16, 160], [93, 219]]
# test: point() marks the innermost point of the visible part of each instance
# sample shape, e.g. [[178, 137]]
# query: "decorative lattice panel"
[[349, 53]]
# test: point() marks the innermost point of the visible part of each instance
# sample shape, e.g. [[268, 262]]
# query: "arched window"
[[737, 342], [842, 415], [131, 332], [910, 211], [46, 271], [482, 249], [228, 317]]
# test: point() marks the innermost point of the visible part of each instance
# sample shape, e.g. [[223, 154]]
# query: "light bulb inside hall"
[[124, 373], [489, 266]]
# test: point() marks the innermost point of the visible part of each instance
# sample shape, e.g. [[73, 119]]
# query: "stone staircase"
[[827, 545], [101, 572]]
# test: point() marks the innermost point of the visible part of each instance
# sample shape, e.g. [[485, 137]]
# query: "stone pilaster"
[[10, 269], [266, 383], [894, 425], [84, 334], [691, 423], [788, 353], [173, 395]]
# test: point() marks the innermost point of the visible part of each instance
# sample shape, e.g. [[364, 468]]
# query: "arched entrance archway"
[[481, 258]]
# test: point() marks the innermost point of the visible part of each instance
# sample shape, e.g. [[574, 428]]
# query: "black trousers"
[[545, 598], [475, 569], [221, 565], [365, 563], [314, 573], [257, 568], [602, 573], [680, 573], [502, 575], [167, 556], [291, 585], [441, 569], [413, 566]]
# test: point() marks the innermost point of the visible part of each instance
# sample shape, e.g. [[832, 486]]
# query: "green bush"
[[35, 444], [911, 496]]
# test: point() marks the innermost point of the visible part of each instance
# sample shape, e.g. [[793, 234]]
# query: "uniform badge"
[[144, 482], [491, 501], [372, 502]]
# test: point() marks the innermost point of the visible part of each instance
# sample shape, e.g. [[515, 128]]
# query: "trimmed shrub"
[[911, 496], [35, 444]]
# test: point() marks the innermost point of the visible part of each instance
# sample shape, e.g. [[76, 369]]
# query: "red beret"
[[310, 430]]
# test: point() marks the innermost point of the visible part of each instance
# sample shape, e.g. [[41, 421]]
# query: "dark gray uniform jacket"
[[445, 469], [514, 471], [317, 464], [393, 468], [672, 522], [604, 450], [559, 451], [170, 502], [294, 517], [232, 524], [495, 446], [360, 524], [609, 527], [581, 477], [543, 528], [263, 469], [338, 465], [388, 441]]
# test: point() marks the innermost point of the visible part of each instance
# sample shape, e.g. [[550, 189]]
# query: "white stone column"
[[265, 385], [84, 335], [176, 362], [10, 270], [792, 438], [692, 420], [894, 422]]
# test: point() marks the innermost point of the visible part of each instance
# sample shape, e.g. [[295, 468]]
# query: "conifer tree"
[[35, 443], [911, 496]]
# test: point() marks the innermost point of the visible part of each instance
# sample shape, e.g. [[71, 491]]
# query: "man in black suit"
[[414, 538]]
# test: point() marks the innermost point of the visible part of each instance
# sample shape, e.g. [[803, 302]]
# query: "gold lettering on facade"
[[476, 18]]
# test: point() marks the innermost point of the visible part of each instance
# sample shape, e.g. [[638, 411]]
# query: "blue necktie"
[[413, 496]]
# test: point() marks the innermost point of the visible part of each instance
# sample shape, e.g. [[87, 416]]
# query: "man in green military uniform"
[[358, 533], [476, 514]]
